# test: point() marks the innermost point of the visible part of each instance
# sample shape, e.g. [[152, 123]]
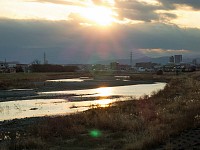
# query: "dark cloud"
[[67, 42], [142, 15], [169, 15], [170, 4], [136, 10]]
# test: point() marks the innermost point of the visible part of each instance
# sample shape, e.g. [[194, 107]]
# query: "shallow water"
[[46, 107], [41, 107], [81, 79], [129, 90]]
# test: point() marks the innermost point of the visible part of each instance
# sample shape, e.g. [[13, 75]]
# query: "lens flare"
[[95, 133]]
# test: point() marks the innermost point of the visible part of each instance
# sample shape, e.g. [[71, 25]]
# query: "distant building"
[[22, 68], [178, 59], [114, 65], [194, 61], [171, 59], [84, 67], [124, 67], [98, 67], [169, 67], [6, 67], [183, 67], [146, 66], [12, 64], [2, 65], [119, 67], [13, 67]]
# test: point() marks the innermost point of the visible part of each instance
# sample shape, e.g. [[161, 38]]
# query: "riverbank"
[[142, 124], [37, 81], [30, 80]]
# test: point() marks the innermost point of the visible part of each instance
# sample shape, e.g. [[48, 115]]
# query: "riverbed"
[[48, 103]]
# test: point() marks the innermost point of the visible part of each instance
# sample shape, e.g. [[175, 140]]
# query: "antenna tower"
[[131, 59]]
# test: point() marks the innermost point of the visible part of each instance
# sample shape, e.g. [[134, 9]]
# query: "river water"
[[47, 107]]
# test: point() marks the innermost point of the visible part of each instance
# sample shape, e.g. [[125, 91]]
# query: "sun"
[[99, 15]]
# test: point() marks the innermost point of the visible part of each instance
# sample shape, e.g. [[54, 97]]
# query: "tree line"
[[52, 68]]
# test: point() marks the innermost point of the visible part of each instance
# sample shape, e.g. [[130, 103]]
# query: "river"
[[85, 100]]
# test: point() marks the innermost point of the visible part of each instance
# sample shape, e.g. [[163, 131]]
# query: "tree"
[[35, 62]]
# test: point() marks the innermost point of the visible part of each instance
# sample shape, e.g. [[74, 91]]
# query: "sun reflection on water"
[[104, 102], [104, 91], [100, 97]]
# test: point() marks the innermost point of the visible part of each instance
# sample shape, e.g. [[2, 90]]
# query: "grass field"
[[134, 124], [26, 80]]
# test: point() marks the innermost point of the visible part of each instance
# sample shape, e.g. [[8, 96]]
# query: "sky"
[[86, 31]]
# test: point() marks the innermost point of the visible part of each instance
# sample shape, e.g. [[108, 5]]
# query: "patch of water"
[[46, 107], [40, 107], [129, 90], [81, 79]]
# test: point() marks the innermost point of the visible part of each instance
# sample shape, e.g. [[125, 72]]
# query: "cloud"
[[136, 10], [98, 2], [170, 4], [68, 42], [103, 2], [164, 52], [138, 15], [74, 2], [131, 9], [62, 2]]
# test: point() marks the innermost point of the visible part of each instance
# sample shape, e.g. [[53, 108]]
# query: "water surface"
[[81, 79], [128, 90], [46, 107]]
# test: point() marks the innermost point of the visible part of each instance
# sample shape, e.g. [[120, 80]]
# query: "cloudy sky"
[[85, 31]]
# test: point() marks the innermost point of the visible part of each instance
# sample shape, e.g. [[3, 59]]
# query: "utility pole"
[[5, 63], [131, 59], [45, 60]]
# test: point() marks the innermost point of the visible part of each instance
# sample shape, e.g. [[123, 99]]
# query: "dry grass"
[[23, 143], [26, 80], [134, 124]]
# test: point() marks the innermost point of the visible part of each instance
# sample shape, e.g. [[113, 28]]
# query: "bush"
[[159, 72], [53, 68]]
